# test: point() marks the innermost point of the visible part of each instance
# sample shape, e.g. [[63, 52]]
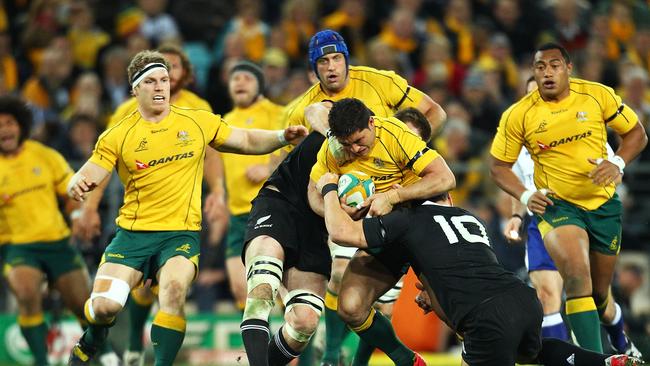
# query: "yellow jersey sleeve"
[[618, 116], [399, 93], [509, 138], [220, 132], [62, 172], [123, 110], [106, 149], [294, 112], [409, 147]]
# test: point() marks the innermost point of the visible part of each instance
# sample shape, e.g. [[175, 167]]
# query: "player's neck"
[[13, 153], [154, 116]]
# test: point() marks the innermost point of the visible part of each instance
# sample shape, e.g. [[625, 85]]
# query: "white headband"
[[148, 69]]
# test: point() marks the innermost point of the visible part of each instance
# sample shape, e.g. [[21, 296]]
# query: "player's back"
[[451, 246], [292, 175]]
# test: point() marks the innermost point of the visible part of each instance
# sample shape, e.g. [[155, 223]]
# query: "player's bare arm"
[[436, 178], [258, 142], [85, 180], [316, 204], [316, 115], [609, 170], [342, 229], [506, 179], [511, 229], [434, 113]]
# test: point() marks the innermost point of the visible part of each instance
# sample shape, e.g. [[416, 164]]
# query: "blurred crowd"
[[68, 59]]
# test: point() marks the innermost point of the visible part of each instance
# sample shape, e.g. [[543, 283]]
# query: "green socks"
[[34, 330], [584, 321], [377, 331], [138, 314], [167, 334]]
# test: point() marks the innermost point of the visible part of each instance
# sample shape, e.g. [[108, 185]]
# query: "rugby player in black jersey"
[[286, 243], [498, 316]]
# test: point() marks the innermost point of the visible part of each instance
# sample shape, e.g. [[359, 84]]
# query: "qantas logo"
[[563, 141], [542, 146], [140, 165]]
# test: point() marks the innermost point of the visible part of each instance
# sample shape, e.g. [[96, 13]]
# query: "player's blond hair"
[[142, 59]]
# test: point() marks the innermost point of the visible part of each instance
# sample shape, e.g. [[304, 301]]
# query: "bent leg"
[[335, 328], [364, 281], [111, 288], [304, 305]]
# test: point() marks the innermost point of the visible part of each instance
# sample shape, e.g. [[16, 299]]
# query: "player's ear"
[[371, 122], [569, 68]]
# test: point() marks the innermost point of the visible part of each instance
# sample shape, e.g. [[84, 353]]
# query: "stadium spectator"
[[85, 37]]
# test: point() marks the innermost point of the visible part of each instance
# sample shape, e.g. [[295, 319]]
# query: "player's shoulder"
[[523, 105], [367, 72], [34, 146], [40, 150], [269, 106], [190, 112], [592, 88], [390, 124], [312, 95], [189, 99]]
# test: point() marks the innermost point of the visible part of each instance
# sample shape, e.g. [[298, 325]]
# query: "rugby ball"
[[355, 187]]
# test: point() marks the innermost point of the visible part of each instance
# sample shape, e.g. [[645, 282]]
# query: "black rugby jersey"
[[292, 175], [449, 246]]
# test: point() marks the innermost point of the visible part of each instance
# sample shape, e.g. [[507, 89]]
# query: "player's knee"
[[105, 309], [107, 299], [26, 295], [351, 310], [305, 321], [264, 275], [303, 311], [577, 284], [173, 293]]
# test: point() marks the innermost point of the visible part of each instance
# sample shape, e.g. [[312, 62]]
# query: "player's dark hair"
[[555, 46], [20, 111], [348, 116], [418, 119]]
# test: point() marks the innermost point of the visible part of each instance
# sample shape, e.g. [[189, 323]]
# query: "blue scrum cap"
[[324, 42]]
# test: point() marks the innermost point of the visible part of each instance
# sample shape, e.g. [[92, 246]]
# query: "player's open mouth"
[[549, 84], [6, 138], [332, 78], [158, 98]]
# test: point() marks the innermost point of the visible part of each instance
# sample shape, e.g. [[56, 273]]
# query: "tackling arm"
[[342, 229], [258, 142]]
